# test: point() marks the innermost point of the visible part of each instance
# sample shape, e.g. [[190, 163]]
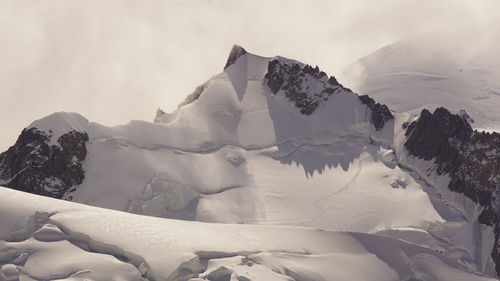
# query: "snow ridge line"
[[186, 270], [95, 246], [429, 183]]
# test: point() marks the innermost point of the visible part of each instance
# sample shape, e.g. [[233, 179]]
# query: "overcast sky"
[[113, 61]]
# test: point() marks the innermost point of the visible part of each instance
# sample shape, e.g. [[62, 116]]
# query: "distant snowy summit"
[[428, 71], [226, 155], [48, 157], [303, 85]]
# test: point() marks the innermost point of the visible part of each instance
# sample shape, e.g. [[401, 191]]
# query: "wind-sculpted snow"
[[53, 257], [69, 241]]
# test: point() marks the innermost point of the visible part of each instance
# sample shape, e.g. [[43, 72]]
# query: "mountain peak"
[[236, 52], [60, 123]]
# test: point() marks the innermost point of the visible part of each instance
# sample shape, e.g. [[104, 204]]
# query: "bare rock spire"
[[236, 52]]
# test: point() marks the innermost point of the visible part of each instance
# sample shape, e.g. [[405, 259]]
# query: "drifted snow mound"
[[52, 239]]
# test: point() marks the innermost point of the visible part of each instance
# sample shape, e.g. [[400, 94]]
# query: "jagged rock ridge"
[[308, 87], [236, 52], [35, 165], [380, 112], [297, 84], [470, 158]]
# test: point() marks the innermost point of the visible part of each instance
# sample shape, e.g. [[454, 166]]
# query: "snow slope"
[[428, 71], [52, 239]]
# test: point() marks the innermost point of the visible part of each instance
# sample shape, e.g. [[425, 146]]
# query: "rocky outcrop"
[[430, 136], [194, 95], [380, 112], [308, 87], [35, 164], [470, 158], [163, 117], [236, 52]]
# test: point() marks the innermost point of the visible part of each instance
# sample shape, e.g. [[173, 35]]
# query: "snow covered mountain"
[[428, 71], [268, 141]]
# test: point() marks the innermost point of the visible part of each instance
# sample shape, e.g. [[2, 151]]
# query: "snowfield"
[[238, 184], [52, 239], [409, 76]]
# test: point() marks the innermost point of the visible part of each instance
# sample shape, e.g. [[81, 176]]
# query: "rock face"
[[380, 112], [470, 158], [236, 52], [308, 87], [429, 136], [34, 164], [300, 84]]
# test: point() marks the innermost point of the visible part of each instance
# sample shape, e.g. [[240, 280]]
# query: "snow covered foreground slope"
[[49, 239], [267, 141]]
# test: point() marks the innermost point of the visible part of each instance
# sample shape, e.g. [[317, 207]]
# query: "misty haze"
[[250, 140]]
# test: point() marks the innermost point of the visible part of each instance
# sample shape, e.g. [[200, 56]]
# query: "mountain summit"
[[272, 141]]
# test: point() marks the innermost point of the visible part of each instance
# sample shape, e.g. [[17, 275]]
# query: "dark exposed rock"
[[470, 158], [274, 79], [380, 112], [429, 135], [294, 81], [236, 52], [35, 165]]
